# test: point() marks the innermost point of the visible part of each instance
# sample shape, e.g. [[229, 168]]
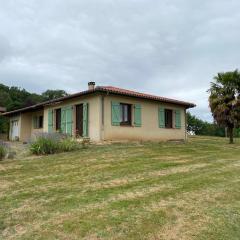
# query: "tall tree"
[[224, 100]]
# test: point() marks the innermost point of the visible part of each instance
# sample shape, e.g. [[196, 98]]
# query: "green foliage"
[[68, 144], [43, 146], [3, 151], [53, 143], [4, 125], [53, 94], [200, 127], [224, 100]]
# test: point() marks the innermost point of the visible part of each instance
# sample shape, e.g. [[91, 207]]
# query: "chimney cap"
[[91, 86], [91, 83], [2, 109]]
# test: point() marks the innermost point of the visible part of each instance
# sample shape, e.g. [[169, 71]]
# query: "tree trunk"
[[230, 131]]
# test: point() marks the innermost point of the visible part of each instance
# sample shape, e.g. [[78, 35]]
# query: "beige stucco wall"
[[150, 128], [93, 114], [26, 130], [25, 126]]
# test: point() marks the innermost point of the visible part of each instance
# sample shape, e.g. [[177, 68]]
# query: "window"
[[168, 118], [58, 119], [37, 122], [125, 114]]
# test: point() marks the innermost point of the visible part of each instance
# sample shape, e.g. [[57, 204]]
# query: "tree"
[[224, 100], [53, 94], [200, 127], [194, 124]]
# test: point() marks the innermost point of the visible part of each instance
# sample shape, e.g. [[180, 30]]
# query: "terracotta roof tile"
[[144, 95]]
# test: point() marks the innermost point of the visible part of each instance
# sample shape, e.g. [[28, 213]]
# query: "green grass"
[[124, 191]]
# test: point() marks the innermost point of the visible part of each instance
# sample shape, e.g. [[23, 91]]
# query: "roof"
[[108, 90], [130, 93]]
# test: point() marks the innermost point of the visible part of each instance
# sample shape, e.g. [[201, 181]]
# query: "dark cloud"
[[169, 48]]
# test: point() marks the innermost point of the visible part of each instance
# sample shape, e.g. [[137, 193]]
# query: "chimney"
[[2, 109], [91, 85]]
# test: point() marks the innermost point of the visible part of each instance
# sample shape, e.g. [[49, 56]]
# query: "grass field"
[[124, 191]]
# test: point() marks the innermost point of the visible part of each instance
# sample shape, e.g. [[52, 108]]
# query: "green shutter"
[[161, 117], [63, 119], [85, 119], [50, 120], [116, 115], [177, 118], [137, 115], [69, 112]]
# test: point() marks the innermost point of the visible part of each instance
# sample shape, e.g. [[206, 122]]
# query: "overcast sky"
[[168, 48]]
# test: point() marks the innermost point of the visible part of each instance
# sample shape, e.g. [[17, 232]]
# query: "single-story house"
[[103, 113]]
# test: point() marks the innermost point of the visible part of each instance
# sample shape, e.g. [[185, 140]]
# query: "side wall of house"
[[149, 129], [25, 126], [93, 114]]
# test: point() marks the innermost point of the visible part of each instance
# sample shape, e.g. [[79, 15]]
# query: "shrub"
[[69, 144], [44, 146], [50, 143], [3, 150]]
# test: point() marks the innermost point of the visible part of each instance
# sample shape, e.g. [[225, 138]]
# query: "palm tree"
[[224, 100]]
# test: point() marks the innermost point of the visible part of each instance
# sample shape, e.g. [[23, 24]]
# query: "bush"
[[44, 146], [53, 143], [69, 144], [3, 150]]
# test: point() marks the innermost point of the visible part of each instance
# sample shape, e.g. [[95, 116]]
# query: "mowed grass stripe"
[[125, 191], [129, 200]]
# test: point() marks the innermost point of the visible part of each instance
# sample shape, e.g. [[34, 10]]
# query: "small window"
[[58, 119], [125, 111], [168, 118], [37, 122]]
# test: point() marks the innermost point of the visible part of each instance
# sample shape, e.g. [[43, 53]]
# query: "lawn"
[[124, 191]]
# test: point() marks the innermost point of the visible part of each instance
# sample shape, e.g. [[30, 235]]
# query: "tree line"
[[196, 126]]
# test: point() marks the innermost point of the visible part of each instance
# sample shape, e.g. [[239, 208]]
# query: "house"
[[103, 113]]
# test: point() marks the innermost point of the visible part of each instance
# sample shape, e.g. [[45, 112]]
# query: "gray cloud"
[[169, 48]]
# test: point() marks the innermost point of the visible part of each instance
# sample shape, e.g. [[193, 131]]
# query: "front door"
[[79, 120], [15, 130]]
